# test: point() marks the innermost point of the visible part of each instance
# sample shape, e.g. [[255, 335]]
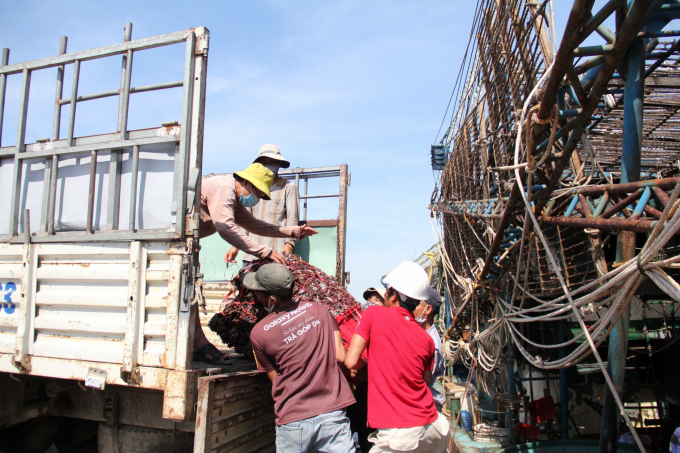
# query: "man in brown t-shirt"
[[299, 346]]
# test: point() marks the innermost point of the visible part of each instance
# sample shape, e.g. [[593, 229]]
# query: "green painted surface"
[[319, 250]]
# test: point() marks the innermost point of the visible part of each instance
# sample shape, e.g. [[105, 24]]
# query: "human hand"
[[287, 249], [230, 257], [277, 257], [307, 231]]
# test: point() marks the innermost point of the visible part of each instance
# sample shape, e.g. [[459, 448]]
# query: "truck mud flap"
[[235, 413]]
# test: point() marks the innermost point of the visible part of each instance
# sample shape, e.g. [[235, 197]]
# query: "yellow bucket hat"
[[259, 176]]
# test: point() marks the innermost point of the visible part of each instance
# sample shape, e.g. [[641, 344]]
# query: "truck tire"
[[137, 439]]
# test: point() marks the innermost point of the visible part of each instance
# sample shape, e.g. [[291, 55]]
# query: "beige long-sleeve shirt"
[[282, 210], [222, 213]]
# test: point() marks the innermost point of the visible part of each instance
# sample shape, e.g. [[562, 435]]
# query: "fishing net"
[[241, 310]]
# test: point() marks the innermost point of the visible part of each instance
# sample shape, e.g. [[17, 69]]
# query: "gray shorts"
[[325, 433]]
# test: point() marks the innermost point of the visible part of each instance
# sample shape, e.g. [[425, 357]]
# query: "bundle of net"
[[241, 310]]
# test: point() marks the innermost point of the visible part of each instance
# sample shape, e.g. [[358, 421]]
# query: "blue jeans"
[[325, 433]]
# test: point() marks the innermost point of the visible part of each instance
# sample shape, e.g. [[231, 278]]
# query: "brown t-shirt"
[[298, 341]]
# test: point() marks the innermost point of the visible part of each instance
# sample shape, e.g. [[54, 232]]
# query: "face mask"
[[249, 201], [274, 168], [420, 319]]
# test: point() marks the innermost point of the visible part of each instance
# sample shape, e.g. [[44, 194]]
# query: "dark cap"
[[434, 299], [271, 278]]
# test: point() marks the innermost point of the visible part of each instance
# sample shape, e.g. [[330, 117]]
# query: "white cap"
[[272, 152], [410, 280]]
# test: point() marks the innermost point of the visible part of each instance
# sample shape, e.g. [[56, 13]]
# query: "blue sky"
[[362, 83]]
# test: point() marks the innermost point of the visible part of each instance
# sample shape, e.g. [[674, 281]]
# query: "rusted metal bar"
[[621, 204], [505, 219], [653, 212], [625, 188], [661, 196], [580, 11], [617, 224], [585, 206], [601, 205], [596, 20]]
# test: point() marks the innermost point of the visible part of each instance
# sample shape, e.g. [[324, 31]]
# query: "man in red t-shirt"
[[401, 354], [299, 346]]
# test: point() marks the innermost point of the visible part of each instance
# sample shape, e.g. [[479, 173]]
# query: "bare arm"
[[353, 359], [339, 347], [272, 375], [427, 376], [251, 223]]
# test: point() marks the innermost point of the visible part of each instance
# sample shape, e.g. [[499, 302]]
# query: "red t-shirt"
[[399, 351]]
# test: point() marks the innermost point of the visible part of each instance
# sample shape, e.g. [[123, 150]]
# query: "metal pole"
[[74, 97], [20, 147], [304, 217], [513, 415], [342, 224], [3, 88], [60, 91], [133, 187], [56, 125], [90, 195], [564, 387], [625, 247]]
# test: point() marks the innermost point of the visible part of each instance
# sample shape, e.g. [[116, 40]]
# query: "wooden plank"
[[238, 434], [203, 416], [239, 407], [265, 442], [241, 390], [235, 419]]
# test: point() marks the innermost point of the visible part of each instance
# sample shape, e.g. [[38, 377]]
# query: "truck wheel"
[[136, 439]]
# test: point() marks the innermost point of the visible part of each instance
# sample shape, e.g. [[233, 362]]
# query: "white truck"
[[99, 269]]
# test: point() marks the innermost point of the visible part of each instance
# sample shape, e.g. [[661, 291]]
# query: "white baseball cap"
[[272, 152]]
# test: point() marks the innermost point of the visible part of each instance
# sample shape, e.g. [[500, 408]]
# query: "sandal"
[[208, 350]]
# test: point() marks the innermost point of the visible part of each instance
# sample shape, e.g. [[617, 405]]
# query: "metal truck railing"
[[124, 152]]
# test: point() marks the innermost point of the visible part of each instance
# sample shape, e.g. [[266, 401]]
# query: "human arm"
[[339, 347], [222, 206], [254, 225], [427, 376], [272, 375], [353, 359]]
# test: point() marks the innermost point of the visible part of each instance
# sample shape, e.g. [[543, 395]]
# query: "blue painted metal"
[[604, 199], [644, 199], [572, 206], [630, 172]]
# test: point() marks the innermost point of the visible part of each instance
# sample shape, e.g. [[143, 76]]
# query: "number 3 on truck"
[[6, 304]]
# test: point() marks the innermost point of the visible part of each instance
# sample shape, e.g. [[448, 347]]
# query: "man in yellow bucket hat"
[[224, 199]]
